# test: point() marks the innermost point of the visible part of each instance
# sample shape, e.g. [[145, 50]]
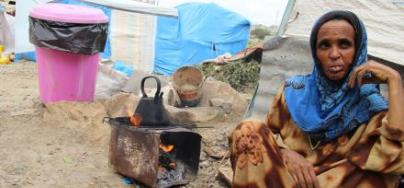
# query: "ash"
[[171, 177]]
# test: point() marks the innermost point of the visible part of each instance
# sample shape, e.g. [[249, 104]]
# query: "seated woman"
[[335, 129]]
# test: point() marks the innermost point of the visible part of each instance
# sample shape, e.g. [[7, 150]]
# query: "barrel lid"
[[68, 13]]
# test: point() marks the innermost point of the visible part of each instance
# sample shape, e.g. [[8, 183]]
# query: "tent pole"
[[285, 18]]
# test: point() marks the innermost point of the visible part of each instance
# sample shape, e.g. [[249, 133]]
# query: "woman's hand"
[[300, 169], [383, 74], [373, 72]]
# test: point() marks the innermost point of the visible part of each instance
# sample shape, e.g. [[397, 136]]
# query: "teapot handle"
[[157, 94]]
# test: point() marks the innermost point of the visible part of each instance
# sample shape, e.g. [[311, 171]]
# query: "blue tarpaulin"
[[201, 31]]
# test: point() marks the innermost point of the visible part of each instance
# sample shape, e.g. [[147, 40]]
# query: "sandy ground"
[[39, 151], [66, 144]]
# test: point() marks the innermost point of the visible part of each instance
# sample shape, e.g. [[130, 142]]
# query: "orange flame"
[[134, 119], [166, 148], [171, 165]]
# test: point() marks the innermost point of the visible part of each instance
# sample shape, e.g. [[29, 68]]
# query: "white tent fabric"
[[23, 8], [7, 32], [133, 39], [138, 7], [133, 30], [384, 20]]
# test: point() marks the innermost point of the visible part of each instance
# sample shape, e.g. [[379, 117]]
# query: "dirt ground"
[[66, 144]]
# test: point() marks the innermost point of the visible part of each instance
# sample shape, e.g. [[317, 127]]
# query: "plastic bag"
[[76, 38]]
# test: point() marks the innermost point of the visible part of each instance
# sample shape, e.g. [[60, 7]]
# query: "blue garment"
[[324, 110]]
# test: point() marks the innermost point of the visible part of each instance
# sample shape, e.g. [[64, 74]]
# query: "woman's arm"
[[395, 115], [301, 170], [389, 125], [384, 74]]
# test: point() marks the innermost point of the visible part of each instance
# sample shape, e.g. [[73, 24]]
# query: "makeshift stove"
[[159, 156]]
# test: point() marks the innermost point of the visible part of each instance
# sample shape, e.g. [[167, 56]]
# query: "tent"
[[383, 21], [136, 36], [288, 53], [133, 30], [201, 31], [185, 35], [6, 31]]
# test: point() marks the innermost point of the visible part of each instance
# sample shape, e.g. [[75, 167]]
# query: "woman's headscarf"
[[320, 107]]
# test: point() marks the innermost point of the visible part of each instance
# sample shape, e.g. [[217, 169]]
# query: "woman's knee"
[[249, 125]]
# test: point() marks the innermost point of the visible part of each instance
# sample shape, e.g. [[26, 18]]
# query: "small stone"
[[202, 156], [226, 106], [204, 164], [217, 152], [67, 160]]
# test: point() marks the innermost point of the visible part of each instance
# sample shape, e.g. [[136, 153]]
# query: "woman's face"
[[335, 48]]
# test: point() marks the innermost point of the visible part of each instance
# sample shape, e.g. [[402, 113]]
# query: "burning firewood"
[[135, 119], [166, 159], [172, 165], [166, 148]]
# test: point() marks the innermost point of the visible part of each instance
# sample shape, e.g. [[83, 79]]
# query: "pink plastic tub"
[[64, 75]]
